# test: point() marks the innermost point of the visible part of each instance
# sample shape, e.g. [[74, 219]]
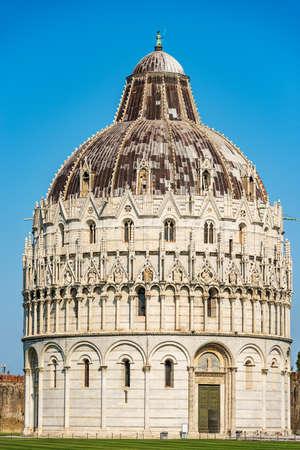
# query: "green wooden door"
[[209, 408]]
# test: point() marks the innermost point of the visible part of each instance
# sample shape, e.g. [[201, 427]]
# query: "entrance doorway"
[[209, 408]]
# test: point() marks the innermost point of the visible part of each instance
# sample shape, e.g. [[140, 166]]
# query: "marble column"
[[131, 311], [103, 308], [67, 310], [191, 313], [148, 309], [177, 312], [220, 313], [232, 313], [204, 298], [191, 399], [283, 406], [67, 397], [40, 400], [264, 387], [34, 328], [243, 299], [103, 393], [56, 315], [147, 368], [162, 311], [30, 319], [48, 315], [253, 303], [90, 300], [117, 311], [27, 392], [233, 371]]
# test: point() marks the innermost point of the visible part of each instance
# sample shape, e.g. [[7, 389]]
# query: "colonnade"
[[55, 315]]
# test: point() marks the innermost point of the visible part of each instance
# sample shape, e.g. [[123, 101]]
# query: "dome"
[[158, 61], [157, 125]]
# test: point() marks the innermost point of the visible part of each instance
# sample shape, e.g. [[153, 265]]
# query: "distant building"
[[11, 403], [157, 282]]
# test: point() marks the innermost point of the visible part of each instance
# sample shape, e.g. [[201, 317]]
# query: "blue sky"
[[63, 67]]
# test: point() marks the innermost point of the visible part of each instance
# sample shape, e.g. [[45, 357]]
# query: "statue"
[[118, 275], [232, 277], [92, 277], [68, 277], [158, 46], [177, 275], [147, 275]]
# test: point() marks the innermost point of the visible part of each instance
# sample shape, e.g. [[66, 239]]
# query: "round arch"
[[171, 343], [82, 343], [124, 342]]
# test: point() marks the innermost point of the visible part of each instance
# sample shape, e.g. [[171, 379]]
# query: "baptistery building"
[[157, 279]]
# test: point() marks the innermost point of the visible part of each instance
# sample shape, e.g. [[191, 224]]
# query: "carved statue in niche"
[[92, 276], [68, 277], [48, 277], [232, 277], [177, 275], [118, 275], [255, 277], [147, 275], [207, 275]]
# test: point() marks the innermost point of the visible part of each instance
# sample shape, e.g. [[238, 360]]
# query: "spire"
[[158, 47]]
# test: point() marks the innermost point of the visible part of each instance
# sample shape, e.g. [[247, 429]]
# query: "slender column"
[[283, 399], [253, 315], [103, 393], [288, 321], [191, 313], [117, 312], [232, 321], [103, 302], [48, 315], [204, 297], [131, 311], [243, 313], [233, 371], [27, 387], [220, 323], [281, 319], [67, 397], [34, 328], [30, 319], [278, 318], [272, 317], [25, 319], [148, 315], [39, 317], [191, 399], [162, 311], [263, 318], [66, 314], [284, 319], [56, 315], [264, 382], [146, 396], [40, 400], [90, 314], [288, 401], [177, 314], [79, 313]]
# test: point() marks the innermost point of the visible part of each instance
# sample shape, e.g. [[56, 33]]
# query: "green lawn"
[[128, 444]]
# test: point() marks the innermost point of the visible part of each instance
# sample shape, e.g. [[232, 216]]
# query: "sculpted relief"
[[147, 275]]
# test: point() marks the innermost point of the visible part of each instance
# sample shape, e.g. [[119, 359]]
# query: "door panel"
[[209, 408]]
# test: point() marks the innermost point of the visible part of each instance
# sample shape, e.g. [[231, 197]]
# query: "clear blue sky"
[[63, 67]]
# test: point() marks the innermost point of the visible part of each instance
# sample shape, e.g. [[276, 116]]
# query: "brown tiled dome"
[[157, 126]]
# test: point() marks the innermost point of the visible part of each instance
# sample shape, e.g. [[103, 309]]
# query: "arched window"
[[169, 373], [54, 362], [205, 180], [251, 186], [86, 373], [249, 374], [128, 230], [85, 184], [126, 363], [209, 233], [92, 233], [169, 228], [242, 231], [212, 303], [141, 302], [143, 182], [209, 362], [62, 234]]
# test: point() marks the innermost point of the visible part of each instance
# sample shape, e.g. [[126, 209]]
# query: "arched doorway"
[[214, 387]]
